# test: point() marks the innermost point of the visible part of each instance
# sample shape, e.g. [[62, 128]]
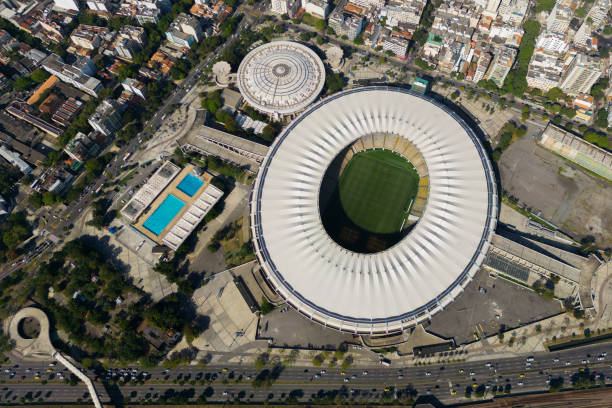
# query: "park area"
[[376, 189]]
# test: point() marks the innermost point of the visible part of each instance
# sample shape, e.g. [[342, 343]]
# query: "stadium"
[[373, 210]]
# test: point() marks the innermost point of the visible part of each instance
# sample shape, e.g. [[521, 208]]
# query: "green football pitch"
[[376, 188]]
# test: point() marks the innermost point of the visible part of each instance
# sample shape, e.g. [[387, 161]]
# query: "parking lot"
[[474, 311], [290, 328], [578, 203]]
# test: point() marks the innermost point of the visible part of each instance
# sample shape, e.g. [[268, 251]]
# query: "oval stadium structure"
[[384, 287], [281, 77]]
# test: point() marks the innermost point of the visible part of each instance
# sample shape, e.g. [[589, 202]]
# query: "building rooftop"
[[281, 77]]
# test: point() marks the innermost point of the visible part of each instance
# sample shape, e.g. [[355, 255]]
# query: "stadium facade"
[[397, 287]]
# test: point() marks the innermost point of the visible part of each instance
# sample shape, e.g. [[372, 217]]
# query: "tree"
[[35, 199], [334, 82], [23, 83], [266, 306], [268, 133], [39, 75], [455, 94], [131, 346], [580, 12], [320, 25], [94, 166], [554, 94], [602, 119], [544, 5], [358, 40]]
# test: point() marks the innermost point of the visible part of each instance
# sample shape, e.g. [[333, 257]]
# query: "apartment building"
[[501, 65], [107, 117], [101, 6], [71, 5], [580, 75], [347, 19], [185, 30], [87, 36], [289, 7], [78, 75], [318, 8], [513, 11]]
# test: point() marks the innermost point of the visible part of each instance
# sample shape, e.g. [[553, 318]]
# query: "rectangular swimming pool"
[[165, 213], [190, 184]]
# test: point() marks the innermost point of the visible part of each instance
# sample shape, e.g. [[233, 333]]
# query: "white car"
[[428, 373]]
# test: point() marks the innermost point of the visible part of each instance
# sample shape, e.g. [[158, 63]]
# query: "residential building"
[[584, 105], [432, 46], [81, 147], [501, 65], [78, 75], [456, 20], [482, 65], [318, 8], [552, 42], [559, 19], [185, 30], [87, 36], [507, 34], [581, 74], [542, 78], [14, 158], [347, 19], [513, 11], [107, 118], [144, 11], [129, 41], [289, 7], [69, 109], [135, 87], [101, 6], [408, 12], [397, 45], [72, 5]]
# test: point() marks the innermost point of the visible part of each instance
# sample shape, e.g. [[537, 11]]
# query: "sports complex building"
[[281, 78], [373, 210], [171, 204]]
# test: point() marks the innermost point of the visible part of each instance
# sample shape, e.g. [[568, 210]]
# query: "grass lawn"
[[376, 188]]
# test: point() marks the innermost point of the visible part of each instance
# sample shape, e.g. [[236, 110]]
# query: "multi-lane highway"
[[447, 382]]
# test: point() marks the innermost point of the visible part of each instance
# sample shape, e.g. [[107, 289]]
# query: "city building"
[[64, 115], [87, 36], [559, 19], [135, 87], [578, 150], [129, 41], [78, 75], [397, 45], [171, 204], [72, 5], [144, 11], [347, 19], [280, 78], [584, 106], [581, 74], [81, 147], [482, 66], [101, 6], [552, 42], [501, 65], [455, 20], [21, 110], [341, 288], [107, 118], [403, 12], [185, 30], [14, 158], [318, 8], [513, 11]]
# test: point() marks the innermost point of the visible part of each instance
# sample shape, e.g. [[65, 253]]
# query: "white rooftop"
[[281, 77]]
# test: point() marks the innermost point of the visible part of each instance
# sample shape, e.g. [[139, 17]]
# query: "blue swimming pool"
[[190, 184], [164, 214]]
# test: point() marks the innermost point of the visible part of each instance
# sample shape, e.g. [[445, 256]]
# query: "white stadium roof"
[[281, 77], [406, 283]]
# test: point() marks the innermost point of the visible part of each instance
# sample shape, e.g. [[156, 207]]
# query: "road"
[[60, 219], [436, 380]]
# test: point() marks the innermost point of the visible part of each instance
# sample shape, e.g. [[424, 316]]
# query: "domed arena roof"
[[281, 77], [397, 287]]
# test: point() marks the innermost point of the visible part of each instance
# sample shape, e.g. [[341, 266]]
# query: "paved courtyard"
[[231, 323]]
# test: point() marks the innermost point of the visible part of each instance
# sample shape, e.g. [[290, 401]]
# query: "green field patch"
[[376, 189]]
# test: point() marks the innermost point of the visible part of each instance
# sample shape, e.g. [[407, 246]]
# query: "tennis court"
[[376, 189]]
